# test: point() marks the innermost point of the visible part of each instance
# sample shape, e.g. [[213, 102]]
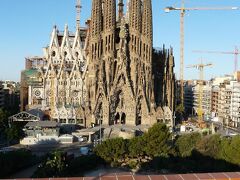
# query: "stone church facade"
[[55, 81], [120, 78], [105, 73]]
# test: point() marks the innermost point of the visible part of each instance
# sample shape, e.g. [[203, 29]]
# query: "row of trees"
[[156, 142], [156, 150]]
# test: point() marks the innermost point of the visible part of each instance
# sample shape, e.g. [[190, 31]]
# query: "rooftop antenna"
[[78, 8]]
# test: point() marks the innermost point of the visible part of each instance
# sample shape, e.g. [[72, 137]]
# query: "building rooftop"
[[44, 124]]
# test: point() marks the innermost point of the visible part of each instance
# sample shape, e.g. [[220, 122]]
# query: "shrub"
[[186, 143], [157, 140]]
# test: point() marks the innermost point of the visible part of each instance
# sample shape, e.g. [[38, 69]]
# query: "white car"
[[82, 139]]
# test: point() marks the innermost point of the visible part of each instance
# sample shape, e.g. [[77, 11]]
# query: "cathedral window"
[[99, 47], [65, 53], [47, 101], [112, 42], [140, 48], [147, 51], [53, 54], [135, 43], [132, 41], [79, 121], [95, 50], [76, 54]]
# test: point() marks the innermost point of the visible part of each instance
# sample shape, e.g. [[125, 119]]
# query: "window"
[[80, 121], [53, 54]]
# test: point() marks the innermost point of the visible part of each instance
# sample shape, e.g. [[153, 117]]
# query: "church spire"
[[147, 19], [96, 18], [109, 14], [135, 15]]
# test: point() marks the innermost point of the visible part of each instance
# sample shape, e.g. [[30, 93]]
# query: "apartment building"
[[9, 95], [220, 99], [188, 97], [235, 104], [225, 103], [215, 101]]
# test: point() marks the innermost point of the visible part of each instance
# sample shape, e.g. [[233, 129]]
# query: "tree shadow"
[[196, 163]]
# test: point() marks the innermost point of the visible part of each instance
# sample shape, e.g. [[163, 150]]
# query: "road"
[[41, 150], [26, 173], [224, 130]]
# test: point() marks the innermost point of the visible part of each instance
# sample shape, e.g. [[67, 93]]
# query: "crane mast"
[[182, 52]]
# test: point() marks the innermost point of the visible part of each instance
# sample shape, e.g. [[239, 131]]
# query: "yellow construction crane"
[[200, 67], [182, 10]]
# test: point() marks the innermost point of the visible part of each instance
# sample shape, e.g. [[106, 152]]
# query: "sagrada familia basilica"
[[107, 72]]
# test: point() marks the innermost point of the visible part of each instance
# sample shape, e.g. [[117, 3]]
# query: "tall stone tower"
[[95, 51], [146, 45], [119, 76]]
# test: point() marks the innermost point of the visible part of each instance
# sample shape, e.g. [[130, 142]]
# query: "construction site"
[[196, 99]]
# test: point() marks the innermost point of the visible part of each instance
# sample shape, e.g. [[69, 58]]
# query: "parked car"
[[84, 150]]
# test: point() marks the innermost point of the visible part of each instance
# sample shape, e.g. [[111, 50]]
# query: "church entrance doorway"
[[123, 118], [117, 118]]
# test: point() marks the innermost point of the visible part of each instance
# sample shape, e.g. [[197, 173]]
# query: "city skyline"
[[27, 29]]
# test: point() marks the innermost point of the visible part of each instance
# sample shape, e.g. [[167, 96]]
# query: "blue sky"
[[26, 26]]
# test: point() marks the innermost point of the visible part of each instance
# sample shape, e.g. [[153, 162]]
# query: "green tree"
[[78, 166], [112, 150], [3, 124], [3, 120], [57, 161], [12, 133], [210, 146], [157, 140], [230, 149], [53, 166], [136, 147], [186, 143]]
